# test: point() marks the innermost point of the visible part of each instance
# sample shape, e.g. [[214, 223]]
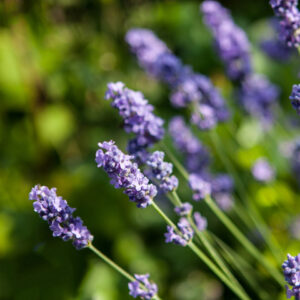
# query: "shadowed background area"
[[56, 58]]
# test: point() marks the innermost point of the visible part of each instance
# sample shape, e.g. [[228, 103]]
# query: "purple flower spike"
[[196, 156], [289, 16], [142, 287], [291, 271], [138, 116], [199, 186], [257, 95], [201, 222], [125, 174], [184, 210], [161, 172], [262, 171], [182, 238], [295, 97], [231, 41], [59, 215]]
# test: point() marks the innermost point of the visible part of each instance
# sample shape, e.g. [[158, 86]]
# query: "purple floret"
[[124, 173], [142, 287], [59, 215]]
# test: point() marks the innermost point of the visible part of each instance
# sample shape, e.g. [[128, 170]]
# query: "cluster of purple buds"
[[291, 271], [200, 187], [161, 172], [183, 236], [222, 186], [231, 42], [289, 16], [257, 96], [195, 154], [125, 174], [59, 215], [255, 92], [187, 87], [274, 47], [138, 116], [295, 97], [262, 171], [142, 287], [200, 221], [184, 209]]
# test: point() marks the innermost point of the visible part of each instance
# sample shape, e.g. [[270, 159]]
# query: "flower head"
[[125, 174], [231, 41], [291, 271], [142, 287], [137, 114], [200, 222], [184, 209], [59, 215], [295, 97], [199, 186], [184, 235]]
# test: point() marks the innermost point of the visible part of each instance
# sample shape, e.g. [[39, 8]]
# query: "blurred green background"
[[56, 58]]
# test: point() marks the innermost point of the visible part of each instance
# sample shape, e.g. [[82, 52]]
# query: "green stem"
[[243, 240], [208, 246], [115, 266], [203, 257]]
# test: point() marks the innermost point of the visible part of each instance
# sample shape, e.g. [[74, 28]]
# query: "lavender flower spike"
[[289, 16], [200, 222], [184, 236], [295, 97], [59, 215], [231, 41], [142, 287], [291, 271], [184, 209], [125, 174], [161, 172], [137, 114], [199, 186]]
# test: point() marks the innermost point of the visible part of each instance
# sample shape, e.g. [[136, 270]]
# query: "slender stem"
[[203, 257], [216, 270], [243, 240], [115, 266], [211, 250], [111, 263]]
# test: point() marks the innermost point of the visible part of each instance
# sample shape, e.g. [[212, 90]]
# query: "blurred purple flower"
[[199, 186], [200, 222], [59, 215], [295, 97], [262, 171], [185, 234], [184, 209]]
